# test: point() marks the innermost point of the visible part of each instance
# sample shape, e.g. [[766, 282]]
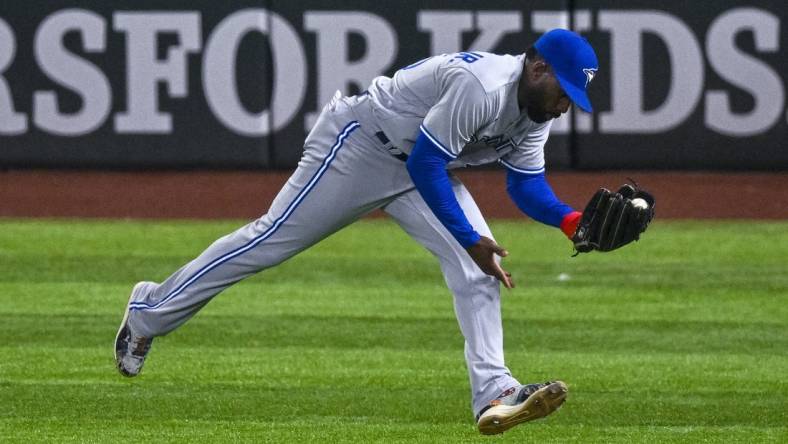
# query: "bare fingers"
[[504, 276]]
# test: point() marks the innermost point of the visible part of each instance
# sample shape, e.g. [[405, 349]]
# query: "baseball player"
[[393, 148]]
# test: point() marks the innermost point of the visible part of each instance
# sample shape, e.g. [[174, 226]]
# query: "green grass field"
[[681, 338]]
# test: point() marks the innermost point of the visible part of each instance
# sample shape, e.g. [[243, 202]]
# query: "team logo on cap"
[[590, 73]]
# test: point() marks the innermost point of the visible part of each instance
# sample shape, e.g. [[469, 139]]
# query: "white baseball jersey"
[[467, 104]]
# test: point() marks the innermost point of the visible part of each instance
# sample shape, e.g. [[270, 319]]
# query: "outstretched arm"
[[534, 197]]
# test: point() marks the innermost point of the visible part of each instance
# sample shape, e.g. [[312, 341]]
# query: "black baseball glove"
[[611, 220]]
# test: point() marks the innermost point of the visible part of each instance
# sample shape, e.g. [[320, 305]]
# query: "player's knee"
[[472, 282]]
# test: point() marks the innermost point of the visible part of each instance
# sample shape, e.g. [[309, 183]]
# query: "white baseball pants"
[[344, 173]]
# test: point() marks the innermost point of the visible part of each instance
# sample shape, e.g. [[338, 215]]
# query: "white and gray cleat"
[[521, 404], [131, 349]]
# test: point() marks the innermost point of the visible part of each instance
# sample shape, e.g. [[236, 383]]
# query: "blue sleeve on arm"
[[534, 197], [427, 167]]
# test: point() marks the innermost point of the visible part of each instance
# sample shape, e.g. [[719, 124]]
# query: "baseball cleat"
[[521, 404], [131, 349]]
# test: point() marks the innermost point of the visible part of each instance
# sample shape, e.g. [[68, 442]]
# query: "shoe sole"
[[122, 327], [541, 403]]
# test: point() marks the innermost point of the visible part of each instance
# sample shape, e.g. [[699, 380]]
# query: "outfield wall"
[[248, 194], [205, 84]]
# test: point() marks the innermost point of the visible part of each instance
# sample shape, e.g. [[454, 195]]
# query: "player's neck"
[[522, 89]]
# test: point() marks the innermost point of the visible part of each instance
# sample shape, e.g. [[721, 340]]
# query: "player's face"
[[545, 99]]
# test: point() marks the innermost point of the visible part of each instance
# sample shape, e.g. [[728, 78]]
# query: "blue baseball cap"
[[573, 61]]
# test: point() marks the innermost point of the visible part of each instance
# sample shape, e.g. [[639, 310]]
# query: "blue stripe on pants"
[[267, 233]]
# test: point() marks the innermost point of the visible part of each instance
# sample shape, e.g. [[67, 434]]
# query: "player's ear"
[[539, 69]]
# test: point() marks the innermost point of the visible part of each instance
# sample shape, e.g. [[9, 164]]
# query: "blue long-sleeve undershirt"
[[427, 167], [530, 192], [534, 197]]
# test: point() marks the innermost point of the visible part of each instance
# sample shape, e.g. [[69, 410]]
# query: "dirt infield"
[[246, 195]]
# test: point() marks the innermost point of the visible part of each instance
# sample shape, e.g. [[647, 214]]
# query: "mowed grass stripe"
[[343, 430], [679, 339], [254, 331], [425, 301]]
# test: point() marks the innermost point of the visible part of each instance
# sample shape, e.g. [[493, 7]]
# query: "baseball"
[[640, 203]]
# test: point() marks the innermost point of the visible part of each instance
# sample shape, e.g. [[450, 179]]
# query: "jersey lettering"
[[498, 142], [468, 57]]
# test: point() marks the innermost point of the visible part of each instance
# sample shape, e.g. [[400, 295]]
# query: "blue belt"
[[393, 150]]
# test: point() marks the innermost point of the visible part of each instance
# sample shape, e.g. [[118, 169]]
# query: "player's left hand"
[[612, 220], [483, 254]]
